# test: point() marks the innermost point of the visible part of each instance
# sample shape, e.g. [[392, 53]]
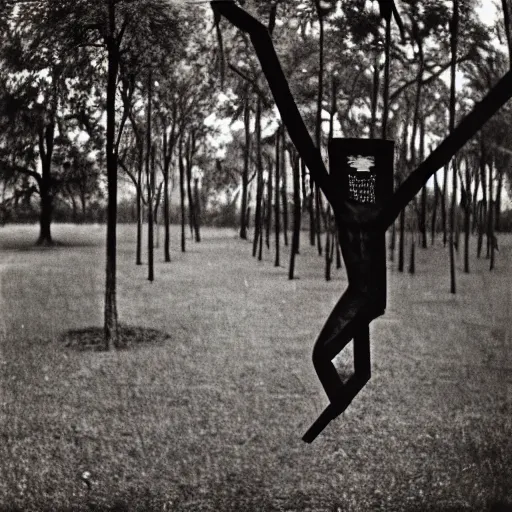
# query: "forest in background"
[[166, 102]]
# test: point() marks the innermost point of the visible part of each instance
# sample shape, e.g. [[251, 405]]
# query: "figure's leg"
[[362, 361], [338, 331], [341, 394], [349, 320]]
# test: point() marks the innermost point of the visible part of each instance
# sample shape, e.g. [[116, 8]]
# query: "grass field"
[[212, 418]]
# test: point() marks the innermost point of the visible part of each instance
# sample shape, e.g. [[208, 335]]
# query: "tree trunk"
[[454, 30], [483, 208], [284, 187], [467, 217], [296, 215], [318, 125], [74, 208], [387, 65], [277, 214], [182, 195], [375, 95], [311, 208], [401, 245], [497, 203], [318, 220], [111, 318], [474, 224], [245, 173], [506, 23], [138, 260], [189, 150], [444, 215], [423, 220], [45, 216], [268, 209], [167, 231], [412, 261], [490, 232], [197, 210], [392, 243], [433, 227], [338, 251], [46, 142], [150, 177], [328, 246], [258, 225], [260, 248]]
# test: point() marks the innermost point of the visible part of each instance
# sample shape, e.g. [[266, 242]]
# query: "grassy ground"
[[212, 418]]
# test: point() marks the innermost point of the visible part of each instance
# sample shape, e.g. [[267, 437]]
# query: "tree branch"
[[280, 89], [466, 129]]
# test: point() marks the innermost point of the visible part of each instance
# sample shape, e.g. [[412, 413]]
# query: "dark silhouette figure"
[[362, 175], [362, 218]]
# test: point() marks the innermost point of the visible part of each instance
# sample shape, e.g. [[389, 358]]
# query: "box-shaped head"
[[362, 169]]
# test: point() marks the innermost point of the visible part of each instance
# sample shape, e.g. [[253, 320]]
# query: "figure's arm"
[[467, 128], [278, 84]]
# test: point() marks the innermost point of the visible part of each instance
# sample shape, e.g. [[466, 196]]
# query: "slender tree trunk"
[[318, 227], [258, 224], [189, 151], [474, 224], [497, 203], [444, 213], [260, 246], [338, 251], [506, 22], [150, 177], [268, 209], [454, 29], [138, 257], [433, 228], [245, 173], [412, 261], [277, 214], [296, 215], [483, 208], [197, 210], [74, 207], [392, 242], [401, 244], [467, 217], [423, 222], [45, 216], [375, 95], [318, 125], [167, 231], [166, 206], [284, 187], [46, 142], [453, 212], [83, 201], [111, 318], [182, 195], [311, 208], [490, 233], [328, 246], [387, 65], [304, 196]]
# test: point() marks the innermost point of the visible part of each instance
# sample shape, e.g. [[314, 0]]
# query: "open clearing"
[[212, 419]]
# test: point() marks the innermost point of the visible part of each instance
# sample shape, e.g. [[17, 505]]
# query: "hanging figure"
[[359, 190], [362, 176]]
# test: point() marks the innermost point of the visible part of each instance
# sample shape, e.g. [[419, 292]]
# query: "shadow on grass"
[[32, 246], [92, 338]]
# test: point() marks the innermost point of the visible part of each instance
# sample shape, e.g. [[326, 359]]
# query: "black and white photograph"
[[255, 255]]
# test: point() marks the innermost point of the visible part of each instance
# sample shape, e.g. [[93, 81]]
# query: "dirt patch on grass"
[[92, 338]]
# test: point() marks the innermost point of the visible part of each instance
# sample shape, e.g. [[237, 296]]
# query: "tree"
[[113, 25]]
